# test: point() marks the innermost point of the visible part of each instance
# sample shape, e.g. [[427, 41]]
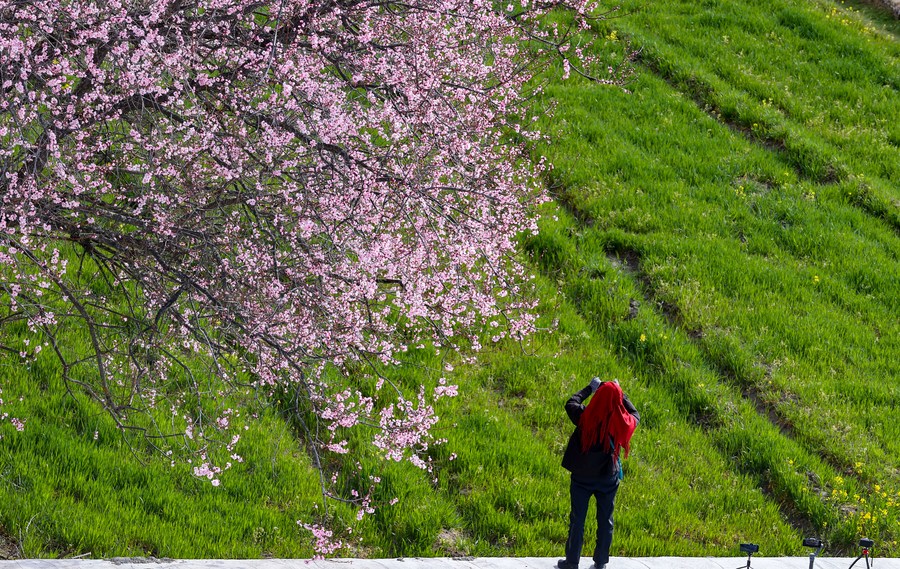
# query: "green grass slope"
[[70, 485], [725, 241], [749, 190]]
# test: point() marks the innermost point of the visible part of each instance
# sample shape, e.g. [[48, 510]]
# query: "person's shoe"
[[563, 564]]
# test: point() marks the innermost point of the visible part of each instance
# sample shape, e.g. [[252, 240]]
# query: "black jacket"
[[598, 461]]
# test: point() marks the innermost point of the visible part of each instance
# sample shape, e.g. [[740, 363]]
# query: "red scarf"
[[605, 417]]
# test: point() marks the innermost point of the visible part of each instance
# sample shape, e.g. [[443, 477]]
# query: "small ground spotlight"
[[749, 549], [816, 543], [866, 544]]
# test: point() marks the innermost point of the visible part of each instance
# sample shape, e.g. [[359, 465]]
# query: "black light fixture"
[[816, 543], [749, 549], [866, 544]]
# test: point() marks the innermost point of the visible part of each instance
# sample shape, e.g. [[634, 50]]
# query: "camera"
[[812, 542], [749, 549], [866, 542]]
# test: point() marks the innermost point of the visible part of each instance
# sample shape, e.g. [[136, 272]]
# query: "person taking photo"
[[603, 429]]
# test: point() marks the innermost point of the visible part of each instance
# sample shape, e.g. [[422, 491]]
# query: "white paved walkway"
[[448, 563]]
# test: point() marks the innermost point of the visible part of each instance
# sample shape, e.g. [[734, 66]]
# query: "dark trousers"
[[581, 490]]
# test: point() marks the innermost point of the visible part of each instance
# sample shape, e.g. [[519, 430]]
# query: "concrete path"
[[448, 563]]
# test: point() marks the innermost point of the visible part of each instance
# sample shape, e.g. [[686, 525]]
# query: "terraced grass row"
[[784, 286]]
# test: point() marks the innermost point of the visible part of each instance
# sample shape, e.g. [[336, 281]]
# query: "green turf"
[[725, 240], [748, 190]]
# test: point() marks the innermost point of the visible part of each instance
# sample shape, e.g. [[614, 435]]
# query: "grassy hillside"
[[725, 241]]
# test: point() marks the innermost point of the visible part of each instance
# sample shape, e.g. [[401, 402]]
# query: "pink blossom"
[[277, 203], [325, 544]]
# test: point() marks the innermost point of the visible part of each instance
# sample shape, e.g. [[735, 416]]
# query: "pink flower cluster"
[[277, 190], [445, 390], [405, 429], [18, 424], [325, 543], [208, 471]]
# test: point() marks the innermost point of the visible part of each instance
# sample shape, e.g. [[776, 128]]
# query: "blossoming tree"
[[278, 189]]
